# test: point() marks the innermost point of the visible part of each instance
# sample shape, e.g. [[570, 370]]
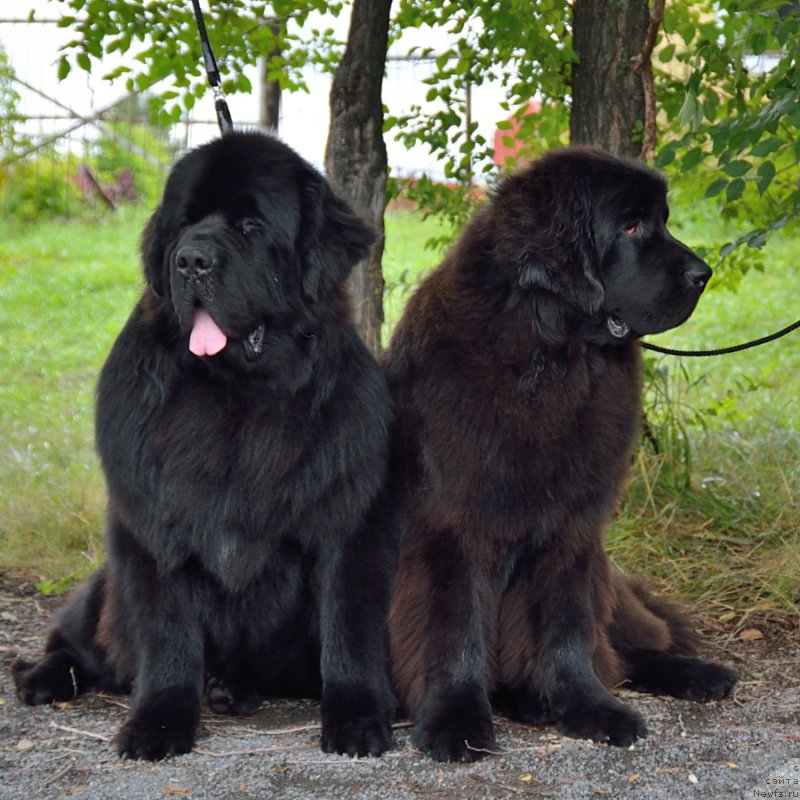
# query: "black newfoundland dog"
[[243, 429], [515, 371]]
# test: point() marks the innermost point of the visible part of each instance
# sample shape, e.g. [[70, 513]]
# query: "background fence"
[[82, 144], [79, 145]]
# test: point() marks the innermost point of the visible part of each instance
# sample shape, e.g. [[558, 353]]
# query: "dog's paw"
[[222, 699], [459, 738], [356, 736], [162, 726], [685, 678], [608, 721], [52, 680], [355, 721], [523, 705], [456, 726], [708, 681]]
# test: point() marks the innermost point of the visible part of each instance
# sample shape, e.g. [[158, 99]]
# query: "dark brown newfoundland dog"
[[243, 430], [516, 376]]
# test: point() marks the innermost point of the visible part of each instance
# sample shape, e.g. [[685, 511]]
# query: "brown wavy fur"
[[518, 407]]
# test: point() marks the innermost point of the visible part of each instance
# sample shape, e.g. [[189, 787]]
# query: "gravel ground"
[[747, 746]]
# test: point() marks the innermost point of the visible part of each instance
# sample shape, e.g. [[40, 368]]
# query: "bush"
[[145, 152], [41, 187], [129, 161]]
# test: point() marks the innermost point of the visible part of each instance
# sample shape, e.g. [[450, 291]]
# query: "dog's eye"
[[248, 225], [631, 228]]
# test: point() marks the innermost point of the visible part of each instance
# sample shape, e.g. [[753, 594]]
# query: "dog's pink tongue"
[[206, 339]]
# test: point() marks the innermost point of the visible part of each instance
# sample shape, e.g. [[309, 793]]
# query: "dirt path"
[[739, 748]]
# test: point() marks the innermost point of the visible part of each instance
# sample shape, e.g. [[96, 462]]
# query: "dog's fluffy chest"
[[202, 468], [517, 449], [213, 436]]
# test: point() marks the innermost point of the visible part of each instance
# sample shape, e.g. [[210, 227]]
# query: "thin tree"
[[269, 107], [355, 157]]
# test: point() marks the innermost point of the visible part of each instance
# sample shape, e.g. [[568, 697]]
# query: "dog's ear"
[[332, 238], [152, 255], [566, 260]]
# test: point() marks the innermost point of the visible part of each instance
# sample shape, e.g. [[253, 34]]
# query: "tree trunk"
[[608, 90], [269, 112], [355, 158], [270, 106]]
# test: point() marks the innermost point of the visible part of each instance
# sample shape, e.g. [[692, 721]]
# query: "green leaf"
[[735, 190], [691, 113], [716, 187], [94, 48], [666, 155], [84, 62], [116, 73], [766, 146], [758, 43], [666, 54], [692, 159], [63, 68], [737, 168], [710, 106], [766, 172]]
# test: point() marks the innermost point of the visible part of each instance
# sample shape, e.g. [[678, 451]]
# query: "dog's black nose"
[[698, 274], [193, 260]]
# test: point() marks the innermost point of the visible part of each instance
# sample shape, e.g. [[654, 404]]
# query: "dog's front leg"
[[559, 602], [357, 701], [156, 629], [438, 625]]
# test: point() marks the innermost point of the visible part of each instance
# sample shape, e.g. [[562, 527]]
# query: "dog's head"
[[247, 236], [595, 232]]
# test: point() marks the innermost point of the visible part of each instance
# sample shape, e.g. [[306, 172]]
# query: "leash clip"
[[224, 119]]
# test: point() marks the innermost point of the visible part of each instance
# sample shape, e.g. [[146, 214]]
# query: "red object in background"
[[503, 151]]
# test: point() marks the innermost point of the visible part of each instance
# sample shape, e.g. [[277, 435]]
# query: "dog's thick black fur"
[[243, 431], [515, 371]]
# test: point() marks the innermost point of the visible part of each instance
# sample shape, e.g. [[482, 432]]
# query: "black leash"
[[722, 351], [223, 113]]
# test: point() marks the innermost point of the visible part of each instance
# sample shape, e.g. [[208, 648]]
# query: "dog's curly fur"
[[243, 552], [515, 371]]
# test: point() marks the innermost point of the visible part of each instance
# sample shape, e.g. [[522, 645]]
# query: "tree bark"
[[608, 90], [355, 157], [269, 112], [645, 67], [270, 106]]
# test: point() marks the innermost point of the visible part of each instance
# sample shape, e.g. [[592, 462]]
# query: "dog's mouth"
[[206, 338], [617, 327], [254, 343]]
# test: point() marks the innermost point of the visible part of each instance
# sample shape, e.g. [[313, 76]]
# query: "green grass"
[[712, 516], [727, 542], [757, 389], [406, 259], [65, 290]]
